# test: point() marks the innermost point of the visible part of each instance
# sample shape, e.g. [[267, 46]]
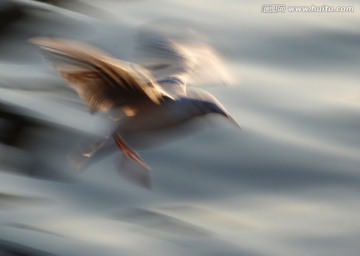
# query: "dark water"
[[288, 183]]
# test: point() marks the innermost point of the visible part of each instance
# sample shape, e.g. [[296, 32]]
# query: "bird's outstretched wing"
[[103, 82], [176, 59]]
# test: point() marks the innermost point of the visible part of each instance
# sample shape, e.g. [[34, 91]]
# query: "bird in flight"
[[151, 95]]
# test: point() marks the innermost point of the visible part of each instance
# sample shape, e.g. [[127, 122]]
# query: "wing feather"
[[176, 56], [103, 82]]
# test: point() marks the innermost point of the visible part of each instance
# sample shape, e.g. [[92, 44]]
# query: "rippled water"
[[286, 184]]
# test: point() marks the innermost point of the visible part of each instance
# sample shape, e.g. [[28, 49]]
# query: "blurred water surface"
[[288, 183]]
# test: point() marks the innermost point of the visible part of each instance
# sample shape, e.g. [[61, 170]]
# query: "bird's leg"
[[95, 147], [80, 157], [129, 152]]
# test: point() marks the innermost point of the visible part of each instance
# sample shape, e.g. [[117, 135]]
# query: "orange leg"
[[129, 152]]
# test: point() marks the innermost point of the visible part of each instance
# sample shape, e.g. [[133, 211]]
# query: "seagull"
[[148, 96]]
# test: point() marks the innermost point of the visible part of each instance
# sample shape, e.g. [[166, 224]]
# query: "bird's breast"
[[156, 117]]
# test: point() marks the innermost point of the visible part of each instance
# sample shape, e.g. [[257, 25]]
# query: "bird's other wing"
[[103, 82], [164, 59], [172, 54]]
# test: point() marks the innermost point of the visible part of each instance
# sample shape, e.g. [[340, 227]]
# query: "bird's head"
[[209, 107]]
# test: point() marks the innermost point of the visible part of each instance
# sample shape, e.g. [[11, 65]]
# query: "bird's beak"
[[232, 120]]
